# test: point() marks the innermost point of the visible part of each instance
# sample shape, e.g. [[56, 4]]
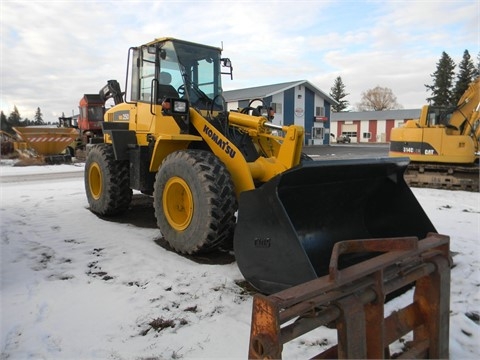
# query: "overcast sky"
[[53, 52]]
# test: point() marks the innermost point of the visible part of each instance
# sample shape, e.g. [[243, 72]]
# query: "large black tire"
[[107, 181], [194, 201]]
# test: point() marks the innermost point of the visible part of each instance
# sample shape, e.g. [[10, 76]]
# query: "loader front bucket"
[[286, 228], [47, 141]]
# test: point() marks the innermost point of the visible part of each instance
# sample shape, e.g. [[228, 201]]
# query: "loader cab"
[[170, 68]]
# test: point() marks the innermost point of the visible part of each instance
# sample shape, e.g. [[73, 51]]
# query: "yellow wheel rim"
[[95, 180], [177, 201]]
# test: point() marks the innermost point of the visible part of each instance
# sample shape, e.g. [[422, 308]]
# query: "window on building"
[[350, 134], [319, 111], [277, 107], [367, 135], [318, 132]]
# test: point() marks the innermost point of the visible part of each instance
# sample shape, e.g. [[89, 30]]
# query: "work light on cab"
[[175, 107]]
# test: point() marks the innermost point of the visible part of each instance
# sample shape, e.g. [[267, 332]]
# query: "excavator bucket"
[[286, 229]]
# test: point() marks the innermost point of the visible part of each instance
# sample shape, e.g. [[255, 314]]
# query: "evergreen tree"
[[442, 93], [28, 122], [477, 68], [14, 118], [38, 118], [466, 75], [5, 126], [337, 92]]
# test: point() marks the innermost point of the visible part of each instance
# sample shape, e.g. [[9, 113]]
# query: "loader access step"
[[287, 228]]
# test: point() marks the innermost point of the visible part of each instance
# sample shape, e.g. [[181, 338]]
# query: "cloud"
[[53, 52]]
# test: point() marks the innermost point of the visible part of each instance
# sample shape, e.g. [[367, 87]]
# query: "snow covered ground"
[[74, 286]]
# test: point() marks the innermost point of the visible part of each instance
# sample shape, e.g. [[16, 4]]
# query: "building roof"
[[269, 90], [376, 115]]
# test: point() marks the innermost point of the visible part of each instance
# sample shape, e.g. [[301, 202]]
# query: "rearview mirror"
[[228, 64]]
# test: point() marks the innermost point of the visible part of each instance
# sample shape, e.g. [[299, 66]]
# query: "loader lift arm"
[[112, 91]]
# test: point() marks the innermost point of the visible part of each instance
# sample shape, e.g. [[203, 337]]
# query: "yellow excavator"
[[218, 176], [443, 144]]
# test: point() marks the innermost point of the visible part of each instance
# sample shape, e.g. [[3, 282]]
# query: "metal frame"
[[353, 300]]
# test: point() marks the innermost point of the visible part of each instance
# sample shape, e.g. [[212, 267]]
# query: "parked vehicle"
[[343, 139]]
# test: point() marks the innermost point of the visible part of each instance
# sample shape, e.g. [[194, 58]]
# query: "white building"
[[296, 102], [301, 103], [370, 126]]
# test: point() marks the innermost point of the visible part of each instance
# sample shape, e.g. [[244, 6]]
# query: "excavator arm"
[[465, 117]]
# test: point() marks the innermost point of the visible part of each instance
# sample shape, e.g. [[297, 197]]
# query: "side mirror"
[[228, 64]]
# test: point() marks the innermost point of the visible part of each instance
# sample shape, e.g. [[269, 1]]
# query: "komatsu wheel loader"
[[443, 144], [216, 175]]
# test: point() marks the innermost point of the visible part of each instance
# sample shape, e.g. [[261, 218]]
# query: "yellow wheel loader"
[[217, 175]]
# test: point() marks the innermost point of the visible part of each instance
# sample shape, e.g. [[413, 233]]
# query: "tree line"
[[14, 119], [445, 91]]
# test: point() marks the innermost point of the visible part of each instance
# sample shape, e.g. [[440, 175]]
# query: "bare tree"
[[377, 99]]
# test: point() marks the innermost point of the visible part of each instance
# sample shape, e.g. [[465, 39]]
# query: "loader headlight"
[[172, 106], [179, 106]]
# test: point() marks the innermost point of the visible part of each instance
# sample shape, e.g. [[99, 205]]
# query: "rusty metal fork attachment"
[[352, 300]]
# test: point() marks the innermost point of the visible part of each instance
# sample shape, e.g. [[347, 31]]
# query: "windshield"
[[195, 67], [172, 69], [439, 115], [94, 113]]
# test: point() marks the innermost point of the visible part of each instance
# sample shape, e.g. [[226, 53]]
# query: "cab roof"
[[162, 39]]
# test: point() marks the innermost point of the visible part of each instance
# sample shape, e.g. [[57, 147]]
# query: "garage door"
[[351, 131]]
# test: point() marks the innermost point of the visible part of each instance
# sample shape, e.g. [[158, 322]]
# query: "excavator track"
[[443, 176]]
